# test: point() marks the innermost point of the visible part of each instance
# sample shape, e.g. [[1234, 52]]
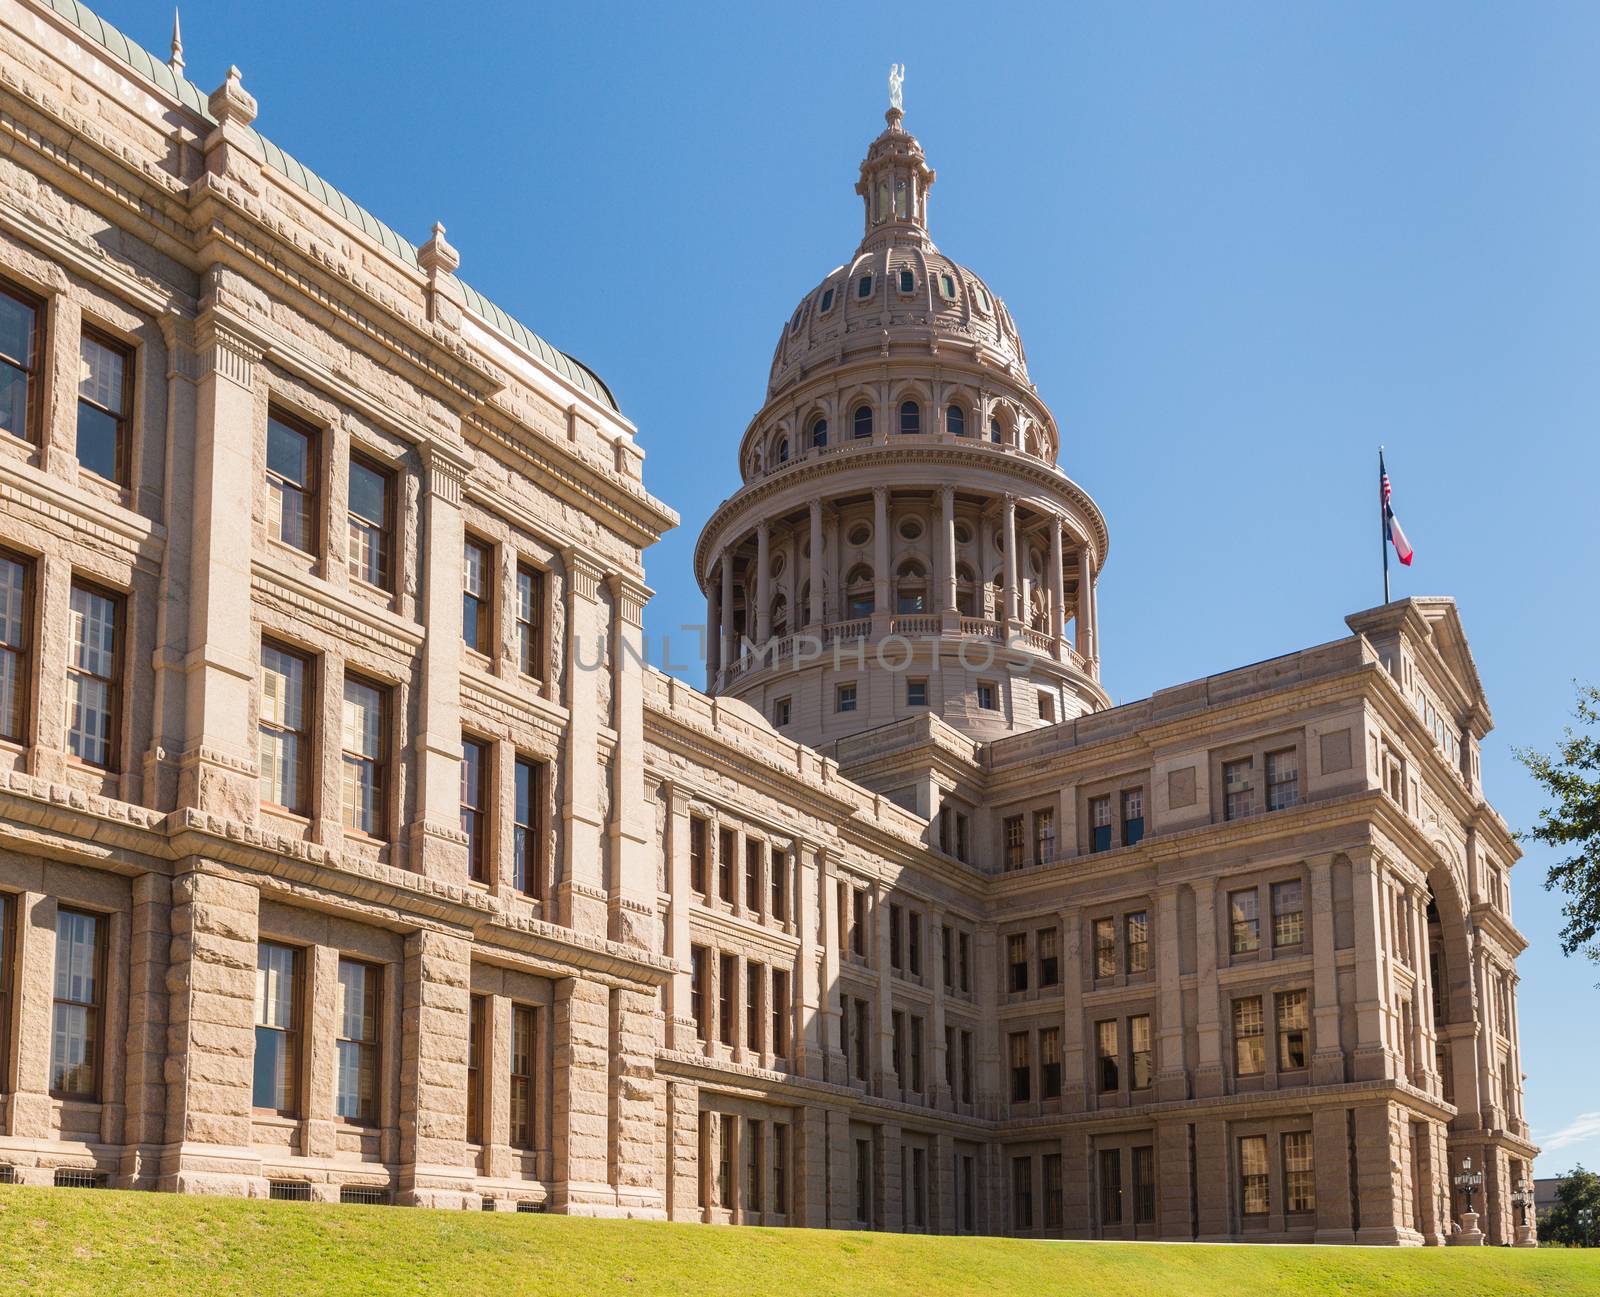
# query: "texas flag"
[[1397, 537]]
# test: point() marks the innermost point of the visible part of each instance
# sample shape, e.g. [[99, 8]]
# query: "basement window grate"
[[72, 1178], [364, 1195], [8, 1174], [528, 1205], [488, 1204], [289, 1190]]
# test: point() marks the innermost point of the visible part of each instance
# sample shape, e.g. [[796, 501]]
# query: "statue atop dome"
[[897, 81]]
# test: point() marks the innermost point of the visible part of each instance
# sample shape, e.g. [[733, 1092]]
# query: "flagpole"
[[1383, 525]]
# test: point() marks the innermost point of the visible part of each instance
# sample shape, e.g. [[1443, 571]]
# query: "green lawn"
[[66, 1241]]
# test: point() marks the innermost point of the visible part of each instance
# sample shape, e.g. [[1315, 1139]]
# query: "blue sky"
[[1244, 244]]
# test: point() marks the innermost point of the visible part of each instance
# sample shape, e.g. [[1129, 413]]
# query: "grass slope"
[[66, 1241]]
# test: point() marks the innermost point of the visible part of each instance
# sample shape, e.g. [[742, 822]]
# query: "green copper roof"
[[190, 95]]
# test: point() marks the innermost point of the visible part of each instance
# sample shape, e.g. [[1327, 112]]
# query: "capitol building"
[[350, 851]]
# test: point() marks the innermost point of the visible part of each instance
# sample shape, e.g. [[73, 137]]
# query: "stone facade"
[[310, 889]]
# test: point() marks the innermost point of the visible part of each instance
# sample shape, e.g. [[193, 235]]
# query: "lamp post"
[[1522, 1199], [1467, 1180], [1588, 1220]]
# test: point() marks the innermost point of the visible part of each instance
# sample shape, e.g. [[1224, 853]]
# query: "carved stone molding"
[[630, 597], [446, 476], [225, 352], [583, 573]]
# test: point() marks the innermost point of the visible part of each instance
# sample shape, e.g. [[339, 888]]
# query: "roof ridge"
[[297, 173]]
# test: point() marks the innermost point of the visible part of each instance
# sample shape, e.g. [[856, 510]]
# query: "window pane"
[[288, 453], [74, 1037], [92, 665], [100, 374], [13, 645], [369, 493], [363, 719], [17, 320]]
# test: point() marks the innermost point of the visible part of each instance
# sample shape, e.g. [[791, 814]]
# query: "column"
[[438, 848], [947, 548], [1085, 615], [1209, 1075], [713, 629], [814, 609], [810, 1041], [933, 1078], [1074, 1075], [1373, 1060], [680, 1009], [1094, 615], [763, 617], [1327, 1060], [218, 771], [637, 1097], [1172, 1078], [580, 1107], [828, 993], [1013, 568], [211, 1037], [631, 905], [433, 1070], [149, 949], [1330, 1144], [581, 890], [881, 585], [730, 637], [1058, 590]]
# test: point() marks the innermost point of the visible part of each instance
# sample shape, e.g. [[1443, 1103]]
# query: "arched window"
[[910, 417], [819, 433], [783, 451], [911, 589], [859, 592], [863, 421], [995, 435], [955, 421], [966, 591]]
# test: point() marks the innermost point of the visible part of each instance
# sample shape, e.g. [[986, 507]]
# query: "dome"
[[898, 284]]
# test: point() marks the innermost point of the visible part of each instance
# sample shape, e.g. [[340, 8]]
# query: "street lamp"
[[1467, 1181], [1522, 1199], [1588, 1219]]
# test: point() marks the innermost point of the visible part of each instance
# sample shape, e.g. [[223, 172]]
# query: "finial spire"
[[175, 62]]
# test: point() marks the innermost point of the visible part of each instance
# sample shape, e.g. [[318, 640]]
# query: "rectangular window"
[[1253, 1194], [1013, 841], [1144, 1185], [477, 1028], [1105, 947], [371, 515], [1244, 921], [780, 1013], [861, 1040], [778, 879], [477, 594], [725, 1162], [79, 998], [1299, 1176], [986, 697], [355, 1095], [530, 621], [1288, 914], [1249, 1052], [1050, 1165], [94, 670], [1044, 836], [523, 1112], [1047, 707], [947, 961], [727, 976], [16, 612], [365, 738], [894, 935], [964, 961], [1050, 1062], [966, 1067], [844, 698], [754, 975], [1047, 943], [916, 693], [7, 949], [858, 925], [916, 1054], [782, 712], [1136, 933], [1283, 780], [285, 728], [1111, 1186], [276, 1081], [780, 1168], [753, 851], [914, 943], [1099, 824], [19, 362], [1293, 1025], [527, 830], [1109, 1073], [474, 806], [291, 483], [103, 405], [727, 844], [1141, 1073], [1017, 962], [699, 979], [1022, 1192], [1132, 816], [1238, 797], [698, 828]]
